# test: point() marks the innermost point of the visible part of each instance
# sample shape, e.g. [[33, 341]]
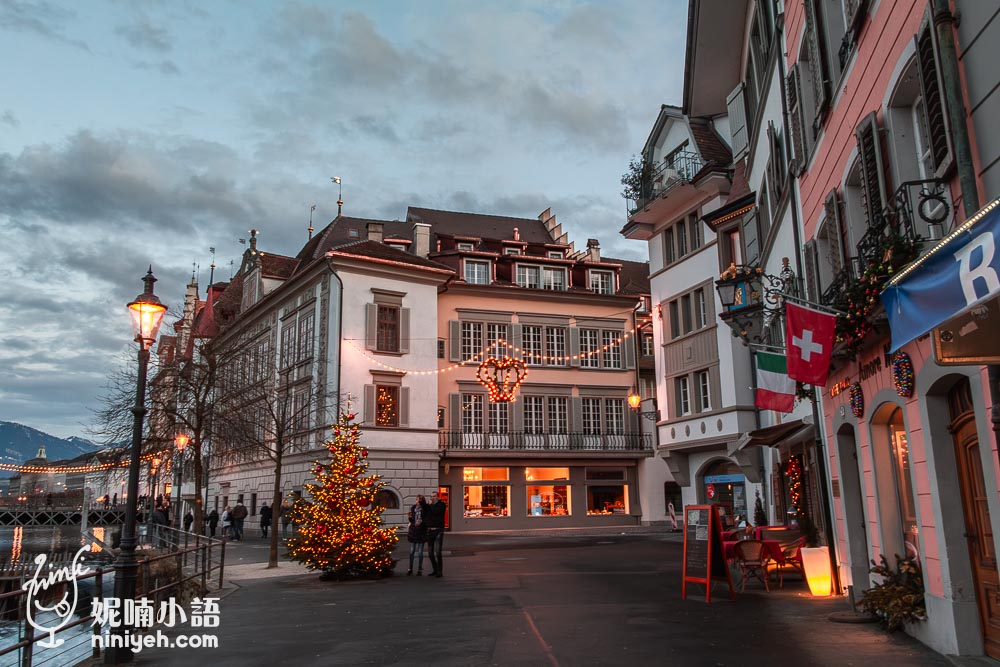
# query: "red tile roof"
[[711, 148], [380, 251], [498, 227], [634, 276], [740, 188], [277, 266]]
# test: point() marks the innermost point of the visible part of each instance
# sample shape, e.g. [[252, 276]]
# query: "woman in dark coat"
[[416, 531], [213, 522], [265, 519]]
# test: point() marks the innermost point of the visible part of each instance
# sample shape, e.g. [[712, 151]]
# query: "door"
[[978, 528]]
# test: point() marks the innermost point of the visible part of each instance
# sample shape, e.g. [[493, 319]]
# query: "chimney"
[[375, 231], [517, 234], [593, 250], [421, 239]]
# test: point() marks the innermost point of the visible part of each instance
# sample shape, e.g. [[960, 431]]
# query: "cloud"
[[142, 34], [41, 18], [8, 118]]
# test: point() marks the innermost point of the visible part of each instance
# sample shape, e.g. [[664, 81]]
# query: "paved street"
[[568, 599]]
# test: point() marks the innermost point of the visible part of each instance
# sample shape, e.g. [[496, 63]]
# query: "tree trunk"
[[199, 509], [272, 559]]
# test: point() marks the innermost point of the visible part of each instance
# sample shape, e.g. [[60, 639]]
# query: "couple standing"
[[426, 527]]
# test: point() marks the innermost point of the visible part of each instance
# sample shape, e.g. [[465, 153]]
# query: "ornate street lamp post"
[[147, 313], [182, 441]]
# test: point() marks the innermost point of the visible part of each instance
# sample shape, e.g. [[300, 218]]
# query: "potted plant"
[[899, 597]]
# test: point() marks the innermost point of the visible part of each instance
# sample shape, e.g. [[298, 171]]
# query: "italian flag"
[[775, 390]]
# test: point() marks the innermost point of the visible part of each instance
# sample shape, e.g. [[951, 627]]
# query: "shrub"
[[899, 597]]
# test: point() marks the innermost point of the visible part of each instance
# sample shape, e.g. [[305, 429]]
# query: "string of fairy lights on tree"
[[794, 474]]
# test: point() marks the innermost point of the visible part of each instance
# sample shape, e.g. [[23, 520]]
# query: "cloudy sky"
[[137, 133]]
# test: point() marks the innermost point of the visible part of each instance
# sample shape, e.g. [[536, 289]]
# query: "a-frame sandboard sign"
[[704, 560]]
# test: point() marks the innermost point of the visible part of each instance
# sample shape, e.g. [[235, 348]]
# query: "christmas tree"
[[341, 531]]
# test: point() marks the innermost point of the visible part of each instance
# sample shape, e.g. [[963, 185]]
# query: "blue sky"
[[137, 133]]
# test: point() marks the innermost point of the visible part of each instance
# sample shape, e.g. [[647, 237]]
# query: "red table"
[[771, 547]]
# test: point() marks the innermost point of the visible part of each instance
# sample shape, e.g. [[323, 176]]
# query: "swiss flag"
[[809, 341]]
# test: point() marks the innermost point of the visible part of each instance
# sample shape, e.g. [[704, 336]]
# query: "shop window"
[[485, 474], [554, 474], [904, 481], [605, 474], [548, 500], [486, 500], [607, 500]]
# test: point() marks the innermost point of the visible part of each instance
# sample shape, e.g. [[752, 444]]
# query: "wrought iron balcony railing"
[[520, 441], [676, 169]]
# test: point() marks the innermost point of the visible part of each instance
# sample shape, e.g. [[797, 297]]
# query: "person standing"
[[159, 523], [265, 520], [434, 519], [239, 514], [227, 522], [188, 520], [416, 533], [213, 522], [284, 513]]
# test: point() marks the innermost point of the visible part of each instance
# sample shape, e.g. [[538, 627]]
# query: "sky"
[[145, 133]]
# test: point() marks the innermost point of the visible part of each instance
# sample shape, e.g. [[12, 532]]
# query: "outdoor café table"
[[771, 547]]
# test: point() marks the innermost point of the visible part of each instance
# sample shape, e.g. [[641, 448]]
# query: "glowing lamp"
[[633, 400], [816, 563], [182, 441], [147, 313]]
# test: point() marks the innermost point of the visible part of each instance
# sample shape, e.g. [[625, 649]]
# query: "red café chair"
[[751, 559], [792, 561]]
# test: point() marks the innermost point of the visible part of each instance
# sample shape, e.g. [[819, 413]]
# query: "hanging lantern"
[[902, 374], [501, 377], [857, 400]]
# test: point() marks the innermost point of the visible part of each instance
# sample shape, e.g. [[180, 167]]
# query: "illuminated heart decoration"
[[501, 377]]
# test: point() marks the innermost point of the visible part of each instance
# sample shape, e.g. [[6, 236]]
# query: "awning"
[[772, 436], [959, 273]]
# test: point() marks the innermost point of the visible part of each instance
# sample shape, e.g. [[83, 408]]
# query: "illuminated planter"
[[816, 563]]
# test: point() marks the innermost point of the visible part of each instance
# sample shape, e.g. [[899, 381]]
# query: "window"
[[607, 499], [683, 397], [472, 340], [686, 322], [287, 344], [477, 272], [675, 321], [300, 410], [668, 246], [466, 247], [442, 345], [499, 417], [555, 339], [531, 344], [511, 251], [614, 415], [548, 500], [472, 413], [555, 254], [554, 279], [496, 339], [704, 391], [548, 474], [681, 237], [701, 311], [528, 276], [387, 329], [352, 233], [588, 349], [386, 405], [695, 234], [591, 412], [904, 483], [612, 349], [558, 419], [534, 414], [306, 336], [602, 282], [647, 345], [483, 496], [387, 500]]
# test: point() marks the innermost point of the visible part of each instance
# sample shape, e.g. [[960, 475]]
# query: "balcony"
[[659, 179], [546, 443]]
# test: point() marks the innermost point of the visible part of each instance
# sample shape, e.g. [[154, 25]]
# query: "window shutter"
[[736, 105], [404, 330], [517, 417], [628, 348], [574, 347], [404, 406], [517, 340], [369, 404], [575, 414], [812, 288], [794, 96], [837, 241], [751, 239], [936, 117], [371, 326], [455, 409], [872, 166], [817, 62], [454, 340]]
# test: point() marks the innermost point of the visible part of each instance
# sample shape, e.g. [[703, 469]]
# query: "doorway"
[[855, 528]]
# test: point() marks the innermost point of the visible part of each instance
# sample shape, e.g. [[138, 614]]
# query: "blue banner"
[[958, 273], [723, 479]]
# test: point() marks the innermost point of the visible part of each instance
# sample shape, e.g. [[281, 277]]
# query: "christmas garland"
[[857, 400], [902, 374]]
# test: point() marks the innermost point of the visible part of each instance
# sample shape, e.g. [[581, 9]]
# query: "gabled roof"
[[711, 148], [227, 306], [379, 251], [498, 227], [277, 266], [634, 276], [740, 188]]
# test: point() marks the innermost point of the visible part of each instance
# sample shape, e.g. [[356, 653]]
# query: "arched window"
[[387, 500]]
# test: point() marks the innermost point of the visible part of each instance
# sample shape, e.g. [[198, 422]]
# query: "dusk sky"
[[138, 133]]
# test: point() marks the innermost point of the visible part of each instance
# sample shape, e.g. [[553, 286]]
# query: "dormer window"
[[529, 276], [512, 251], [602, 282], [477, 272], [555, 254], [466, 247], [554, 279], [352, 232], [398, 246]]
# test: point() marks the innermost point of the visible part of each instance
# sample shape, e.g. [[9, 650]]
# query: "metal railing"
[[175, 559], [521, 441], [674, 170]]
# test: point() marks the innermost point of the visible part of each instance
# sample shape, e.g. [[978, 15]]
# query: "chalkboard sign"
[[704, 560]]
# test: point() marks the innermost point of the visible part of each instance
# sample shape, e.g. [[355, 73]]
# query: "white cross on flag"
[[809, 340]]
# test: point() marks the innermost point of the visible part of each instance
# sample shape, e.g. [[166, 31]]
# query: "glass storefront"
[[483, 497], [904, 484], [548, 500], [724, 485]]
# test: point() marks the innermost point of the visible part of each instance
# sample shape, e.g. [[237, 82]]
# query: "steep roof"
[[227, 306], [634, 276], [277, 266], [710, 146], [453, 223], [740, 188], [380, 251]]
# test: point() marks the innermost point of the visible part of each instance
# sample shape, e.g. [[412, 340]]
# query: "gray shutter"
[[932, 89], [404, 330], [454, 419], [793, 86], [854, 12], [517, 417], [872, 166], [371, 326], [454, 340], [517, 340], [575, 414], [404, 406], [369, 413], [812, 286], [628, 348], [751, 238], [574, 347], [817, 62], [736, 105], [831, 208]]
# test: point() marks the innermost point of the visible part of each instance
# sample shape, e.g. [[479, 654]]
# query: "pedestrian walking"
[[160, 522], [114, 501], [213, 522], [284, 514], [227, 522], [265, 520], [434, 520], [239, 513], [416, 534], [188, 520]]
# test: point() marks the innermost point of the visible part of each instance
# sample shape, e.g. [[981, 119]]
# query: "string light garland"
[[857, 400], [794, 473], [501, 377], [902, 374], [44, 470]]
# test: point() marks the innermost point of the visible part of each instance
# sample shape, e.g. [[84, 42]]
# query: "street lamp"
[[147, 313], [181, 441], [752, 299]]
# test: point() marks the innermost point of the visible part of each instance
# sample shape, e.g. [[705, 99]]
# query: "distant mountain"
[[18, 443]]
